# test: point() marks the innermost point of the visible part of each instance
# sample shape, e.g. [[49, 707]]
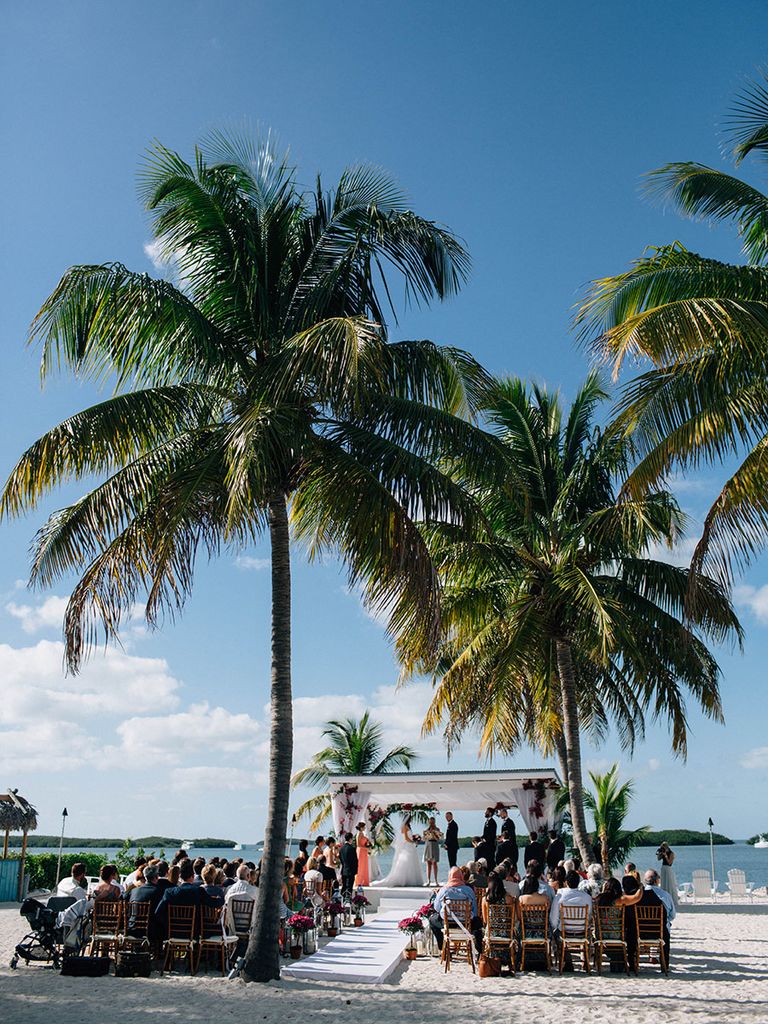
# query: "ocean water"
[[687, 859]]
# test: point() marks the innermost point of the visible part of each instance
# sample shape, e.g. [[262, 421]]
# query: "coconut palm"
[[556, 618], [354, 748], [609, 806], [260, 386], [703, 325]]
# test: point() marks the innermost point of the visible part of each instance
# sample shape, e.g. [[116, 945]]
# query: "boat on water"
[[187, 844], [237, 846], [762, 843]]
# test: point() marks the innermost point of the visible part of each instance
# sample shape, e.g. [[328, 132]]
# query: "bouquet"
[[411, 925], [300, 922], [424, 911]]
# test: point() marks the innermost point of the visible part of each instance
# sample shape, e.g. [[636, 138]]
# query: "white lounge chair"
[[703, 889], [738, 885]]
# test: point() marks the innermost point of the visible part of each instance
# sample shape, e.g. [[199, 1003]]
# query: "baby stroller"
[[45, 939]]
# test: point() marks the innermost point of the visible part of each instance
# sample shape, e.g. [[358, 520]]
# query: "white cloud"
[[654, 764], [753, 598], [755, 759], [680, 554], [48, 615], [154, 251], [205, 778], [248, 562]]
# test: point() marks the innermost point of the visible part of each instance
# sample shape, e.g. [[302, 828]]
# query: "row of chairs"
[[190, 931], [597, 935]]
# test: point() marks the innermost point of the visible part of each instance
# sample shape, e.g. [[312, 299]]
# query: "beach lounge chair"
[[107, 921], [574, 934], [650, 936], [609, 936], [500, 931], [181, 942], [702, 886], [457, 932], [214, 936], [534, 932], [738, 885]]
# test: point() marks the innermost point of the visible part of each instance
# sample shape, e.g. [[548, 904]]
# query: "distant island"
[[685, 837], [147, 842]]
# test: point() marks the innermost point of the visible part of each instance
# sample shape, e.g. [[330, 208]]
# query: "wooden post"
[[5, 846], [21, 869]]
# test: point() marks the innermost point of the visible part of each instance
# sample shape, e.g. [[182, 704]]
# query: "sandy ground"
[[720, 973]]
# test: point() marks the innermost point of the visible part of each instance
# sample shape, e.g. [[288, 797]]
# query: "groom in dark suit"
[[451, 839], [487, 847]]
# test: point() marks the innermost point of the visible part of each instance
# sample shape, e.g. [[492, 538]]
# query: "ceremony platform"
[[366, 955]]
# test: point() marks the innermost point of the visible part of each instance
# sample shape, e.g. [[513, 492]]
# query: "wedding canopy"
[[531, 791]]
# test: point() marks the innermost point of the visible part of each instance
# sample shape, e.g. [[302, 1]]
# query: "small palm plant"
[[609, 806], [354, 748]]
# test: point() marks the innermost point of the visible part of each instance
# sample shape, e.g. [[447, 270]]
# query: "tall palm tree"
[[354, 748], [703, 325], [609, 806], [260, 390], [556, 618]]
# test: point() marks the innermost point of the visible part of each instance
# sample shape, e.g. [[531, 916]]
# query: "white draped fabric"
[[537, 809], [350, 806]]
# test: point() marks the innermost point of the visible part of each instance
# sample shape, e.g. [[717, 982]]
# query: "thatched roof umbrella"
[[17, 815]]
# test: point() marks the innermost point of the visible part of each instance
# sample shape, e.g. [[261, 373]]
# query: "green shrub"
[[41, 867]]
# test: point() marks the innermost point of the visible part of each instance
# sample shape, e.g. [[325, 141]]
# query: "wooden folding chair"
[[500, 931], [239, 916], [650, 936], [574, 933], [214, 936], [181, 939], [534, 932], [609, 935], [107, 921], [136, 917], [457, 932]]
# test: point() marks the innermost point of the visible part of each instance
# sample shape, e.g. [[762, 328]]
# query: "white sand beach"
[[720, 972]]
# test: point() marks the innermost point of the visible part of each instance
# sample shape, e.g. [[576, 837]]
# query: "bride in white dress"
[[406, 867]]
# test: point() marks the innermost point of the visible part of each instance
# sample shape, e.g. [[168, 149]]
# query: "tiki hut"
[[17, 815]]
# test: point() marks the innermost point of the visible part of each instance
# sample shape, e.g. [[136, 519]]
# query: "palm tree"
[[261, 386], [556, 618], [609, 807], [354, 748], [703, 325]]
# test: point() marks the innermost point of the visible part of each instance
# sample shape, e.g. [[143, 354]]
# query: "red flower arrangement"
[[411, 925], [300, 922]]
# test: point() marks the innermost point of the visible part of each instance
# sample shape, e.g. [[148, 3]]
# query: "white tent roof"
[[450, 791]]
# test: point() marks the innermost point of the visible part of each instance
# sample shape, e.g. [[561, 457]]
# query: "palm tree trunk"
[[573, 750], [262, 959]]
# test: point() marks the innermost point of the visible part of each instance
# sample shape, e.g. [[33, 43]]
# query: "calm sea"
[[688, 858]]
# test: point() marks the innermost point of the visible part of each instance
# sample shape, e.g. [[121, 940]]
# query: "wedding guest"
[[348, 858], [534, 850], [332, 854], [653, 894], [451, 839], [329, 875], [362, 845], [455, 889], [163, 881], [109, 886], [593, 883], [478, 876], [198, 864], [313, 880], [178, 857], [631, 869], [302, 856], [570, 896], [209, 880], [75, 885], [536, 870], [139, 862], [510, 878], [496, 892], [319, 847], [506, 848], [557, 877], [147, 892], [613, 895], [487, 846], [174, 873], [555, 850], [243, 888], [186, 894], [230, 874], [432, 836]]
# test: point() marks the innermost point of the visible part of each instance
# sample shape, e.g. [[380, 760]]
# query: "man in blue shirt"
[[455, 889], [654, 894]]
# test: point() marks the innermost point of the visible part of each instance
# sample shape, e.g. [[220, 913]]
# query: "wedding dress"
[[406, 867]]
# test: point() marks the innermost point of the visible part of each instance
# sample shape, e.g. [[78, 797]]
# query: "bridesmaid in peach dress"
[[363, 844]]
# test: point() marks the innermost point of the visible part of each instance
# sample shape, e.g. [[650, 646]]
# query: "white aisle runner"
[[364, 955]]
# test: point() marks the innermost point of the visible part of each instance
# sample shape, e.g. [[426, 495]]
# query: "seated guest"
[[178, 857], [230, 873], [139, 862], [243, 888], [186, 894], [75, 885], [109, 886], [534, 850], [329, 875], [569, 865], [313, 880], [613, 895], [593, 883], [571, 896], [163, 881], [209, 879], [478, 876], [455, 889], [535, 868], [466, 871], [631, 869], [198, 864], [496, 893], [653, 894], [147, 892], [557, 877], [510, 878]]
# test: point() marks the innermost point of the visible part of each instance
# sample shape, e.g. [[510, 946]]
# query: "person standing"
[[488, 849], [451, 839], [555, 850], [507, 843], [667, 874], [534, 850], [432, 836], [362, 845], [348, 858]]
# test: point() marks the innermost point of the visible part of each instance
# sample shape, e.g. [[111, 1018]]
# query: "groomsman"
[[451, 839], [507, 848], [488, 845]]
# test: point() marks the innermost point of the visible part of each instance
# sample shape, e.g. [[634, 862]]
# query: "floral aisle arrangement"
[[333, 910], [412, 926], [301, 928], [359, 903]]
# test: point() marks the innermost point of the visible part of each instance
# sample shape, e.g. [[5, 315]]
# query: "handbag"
[[488, 966], [85, 966]]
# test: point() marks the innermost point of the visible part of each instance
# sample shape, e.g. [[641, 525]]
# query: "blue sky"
[[526, 130]]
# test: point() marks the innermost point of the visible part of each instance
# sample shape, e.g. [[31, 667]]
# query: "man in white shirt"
[[241, 889], [130, 881], [75, 885], [571, 896]]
